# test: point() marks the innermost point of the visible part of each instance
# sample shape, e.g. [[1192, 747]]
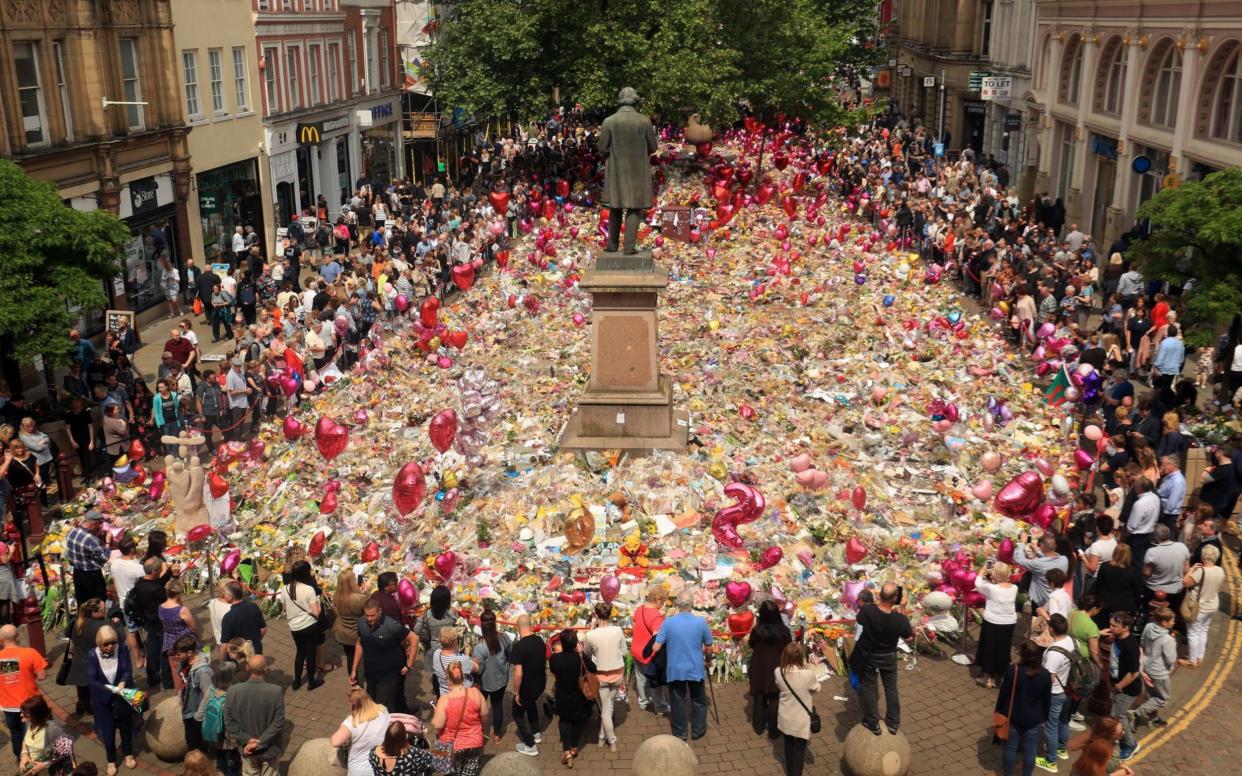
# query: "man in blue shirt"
[[685, 635], [83, 350], [1171, 490], [1169, 358], [331, 270]]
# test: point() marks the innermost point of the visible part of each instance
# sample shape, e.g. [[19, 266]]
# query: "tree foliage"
[[52, 259], [508, 57], [1197, 233]]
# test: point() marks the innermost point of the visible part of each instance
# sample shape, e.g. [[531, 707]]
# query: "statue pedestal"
[[627, 404]]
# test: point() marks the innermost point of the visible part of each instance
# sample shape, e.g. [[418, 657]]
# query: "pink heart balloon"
[[1020, 495], [737, 592], [800, 463], [407, 594], [293, 428], [445, 563], [982, 490]]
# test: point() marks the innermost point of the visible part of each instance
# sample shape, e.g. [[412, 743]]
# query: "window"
[[1168, 88], [312, 54], [384, 57], [217, 80], [241, 95], [308, 5], [189, 66], [264, 5], [985, 38], [1068, 147], [285, 5], [30, 92], [334, 72], [62, 88], [1115, 80], [368, 53], [271, 92], [291, 63], [1075, 76], [1227, 118], [131, 84], [351, 64]]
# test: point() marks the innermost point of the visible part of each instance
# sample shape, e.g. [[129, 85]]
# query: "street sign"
[[1141, 164], [976, 80], [892, 63], [1013, 122], [938, 149], [996, 87], [929, 80]]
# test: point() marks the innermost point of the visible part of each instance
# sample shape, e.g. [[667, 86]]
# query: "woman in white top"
[[300, 599], [999, 619], [793, 717], [605, 644], [1208, 578], [362, 731], [1101, 550], [216, 609]]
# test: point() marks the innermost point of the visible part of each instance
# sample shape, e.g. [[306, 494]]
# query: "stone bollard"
[[867, 754], [511, 764], [164, 732], [666, 755], [318, 757]]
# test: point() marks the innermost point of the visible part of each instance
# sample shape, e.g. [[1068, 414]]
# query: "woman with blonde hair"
[[348, 601], [1171, 440], [108, 667], [197, 764], [1000, 617], [362, 731], [1206, 578]]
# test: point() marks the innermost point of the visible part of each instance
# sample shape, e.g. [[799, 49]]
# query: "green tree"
[[52, 259], [509, 57], [1197, 233]]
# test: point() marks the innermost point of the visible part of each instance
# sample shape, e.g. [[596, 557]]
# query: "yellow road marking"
[[1207, 692]]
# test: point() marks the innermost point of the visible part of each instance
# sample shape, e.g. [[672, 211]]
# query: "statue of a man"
[[627, 140]]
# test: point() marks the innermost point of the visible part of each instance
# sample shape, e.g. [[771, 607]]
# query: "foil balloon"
[[1044, 466], [361, 417], [850, 591], [315, 548], [158, 484], [219, 486], [1005, 552], [328, 504], [963, 580], [443, 429], [330, 437], [991, 461], [1093, 433], [982, 490], [370, 553], [408, 488], [1043, 515], [770, 557], [974, 599], [609, 587], [402, 303], [137, 452], [740, 624], [445, 563], [800, 463], [737, 592], [859, 497], [1021, 495], [198, 533], [407, 594], [1083, 460], [255, 450], [292, 428], [429, 312], [231, 559], [855, 550]]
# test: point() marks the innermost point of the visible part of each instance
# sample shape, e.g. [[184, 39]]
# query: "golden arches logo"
[[308, 133]]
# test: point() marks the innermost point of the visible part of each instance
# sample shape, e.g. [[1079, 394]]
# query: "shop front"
[[228, 197], [149, 210], [310, 164], [380, 141]]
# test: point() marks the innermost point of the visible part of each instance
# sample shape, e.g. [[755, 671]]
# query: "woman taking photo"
[[572, 707], [491, 655], [362, 731], [46, 747], [1025, 697], [767, 642], [1000, 617], [459, 718], [300, 599], [348, 601], [110, 667], [605, 644], [797, 683], [81, 641], [1206, 578]]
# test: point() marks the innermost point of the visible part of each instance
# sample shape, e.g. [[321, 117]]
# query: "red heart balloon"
[[409, 488], [790, 206], [781, 160], [443, 430], [724, 213], [721, 192], [703, 150], [765, 193], [740, 623], [1021, 495], [855, 550], [137, 452], [463, 276], [293, 428], [328, 503], [370, 553], [217, 484], [499, 201], [502, 258], [799, 181], [429, 312], [199, 532], [457, 338], [859, 497], [316, 545], [330, 437]]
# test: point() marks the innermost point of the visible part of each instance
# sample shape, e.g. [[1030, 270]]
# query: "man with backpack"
[[1057, 660], [195, 669]]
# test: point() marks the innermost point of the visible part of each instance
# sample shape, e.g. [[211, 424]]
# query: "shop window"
[[146, 252]]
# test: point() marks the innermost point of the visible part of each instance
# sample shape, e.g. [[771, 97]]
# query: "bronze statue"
[[627, 140]]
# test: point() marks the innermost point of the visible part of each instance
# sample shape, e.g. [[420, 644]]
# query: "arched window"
[[1111, 78], [1168, 85], [1071, 71], [1227, 102]]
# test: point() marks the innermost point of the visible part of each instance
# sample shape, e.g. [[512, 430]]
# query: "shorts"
[[130, 625]]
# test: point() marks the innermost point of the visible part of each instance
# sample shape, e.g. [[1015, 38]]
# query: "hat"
[[94, 514], [239, 361], [627, 96]]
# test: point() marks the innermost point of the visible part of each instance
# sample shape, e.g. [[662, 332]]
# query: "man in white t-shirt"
[[1057, 661], [126, 571], [1101, 550]]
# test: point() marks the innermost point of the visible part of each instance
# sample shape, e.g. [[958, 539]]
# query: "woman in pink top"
[[460, 714]]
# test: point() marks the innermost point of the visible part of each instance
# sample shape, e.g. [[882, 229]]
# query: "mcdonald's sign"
[[309, 134]]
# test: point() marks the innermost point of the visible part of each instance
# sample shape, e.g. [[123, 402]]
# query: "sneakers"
[[1077, 717], [1157, 722], [1128, 751], [1062, 754], [1076, 725], [529, 751], [1048, 765], [539, 738]]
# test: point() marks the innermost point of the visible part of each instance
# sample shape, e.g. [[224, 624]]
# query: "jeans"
[[1009, 756], [868, 694], [526, 717], [607, 697], [221, 316], [1157, 697], [228, 762], [1121, 704], [795, 755], [648, 695], [698, 707], [497, 698], [158, 674], [304, 642], [1056, 728], [17, 731]]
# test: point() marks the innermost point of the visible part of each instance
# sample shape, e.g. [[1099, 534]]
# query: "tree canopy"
[[509, 57], [1197, 233], [52, 259]]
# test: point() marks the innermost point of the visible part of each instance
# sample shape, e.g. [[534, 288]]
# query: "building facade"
[[218, 70], [331, 101], [1135, 96], [1011, 128], [66, 65], [418, 23]]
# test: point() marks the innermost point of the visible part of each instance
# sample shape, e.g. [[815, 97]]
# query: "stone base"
[[867, 754], [665, 755], [511, 764], [164, 732], [318, 757], [575, 439]]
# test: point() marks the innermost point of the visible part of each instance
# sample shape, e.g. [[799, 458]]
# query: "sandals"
[[567, 759], [130, 762]]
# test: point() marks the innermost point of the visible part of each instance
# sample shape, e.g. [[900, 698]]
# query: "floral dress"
[[411, 762], [170, 282]]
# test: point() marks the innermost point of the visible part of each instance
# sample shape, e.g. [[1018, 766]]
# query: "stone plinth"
[[318, 757], [512, 764], [627, 404], [867, 754], [665, 755], [164, 732]]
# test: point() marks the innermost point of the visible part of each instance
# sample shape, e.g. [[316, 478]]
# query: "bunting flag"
[[415, 71], [1054, 394]]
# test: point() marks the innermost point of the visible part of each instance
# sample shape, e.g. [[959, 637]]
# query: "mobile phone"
[[901, 594]]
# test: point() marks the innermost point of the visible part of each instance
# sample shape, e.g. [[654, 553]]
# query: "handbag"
[[62, 673], [588, 682], [1190, 603], [816, 722], [1000, 722]]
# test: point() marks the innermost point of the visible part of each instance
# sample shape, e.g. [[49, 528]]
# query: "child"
[[1160, 658]]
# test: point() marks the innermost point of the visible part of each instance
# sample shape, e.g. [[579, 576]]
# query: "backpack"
[[1084, 674], [213, 719], [130, 607]]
